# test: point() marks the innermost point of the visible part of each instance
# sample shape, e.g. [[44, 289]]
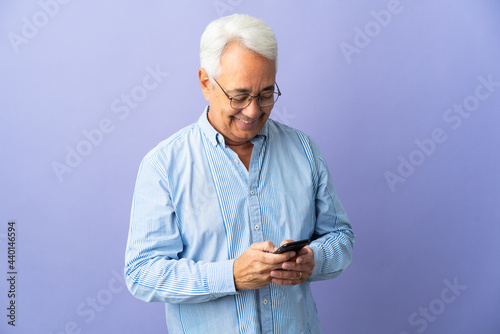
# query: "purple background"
[[365, 110]]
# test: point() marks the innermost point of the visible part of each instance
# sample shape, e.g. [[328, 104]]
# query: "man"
[[213, 200]]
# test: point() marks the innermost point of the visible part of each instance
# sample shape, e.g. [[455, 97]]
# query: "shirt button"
[[252, 192], [257, 227], [265, 301], [236, 160], [220, 140]]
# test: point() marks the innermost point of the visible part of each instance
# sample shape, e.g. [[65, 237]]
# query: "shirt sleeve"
[[154, 270], [333, 247]]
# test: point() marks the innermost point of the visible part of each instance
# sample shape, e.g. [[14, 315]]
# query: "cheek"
[[226, 118], [265, 116]]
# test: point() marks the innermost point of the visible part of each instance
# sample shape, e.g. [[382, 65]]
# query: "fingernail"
[[292, 254]]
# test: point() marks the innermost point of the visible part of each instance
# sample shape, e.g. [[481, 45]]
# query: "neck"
[[243, 145]]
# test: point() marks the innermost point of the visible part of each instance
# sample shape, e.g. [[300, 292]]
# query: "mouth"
[[246, 121], [246, 124]]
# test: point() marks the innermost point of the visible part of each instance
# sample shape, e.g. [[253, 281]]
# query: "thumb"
[[266, 246]]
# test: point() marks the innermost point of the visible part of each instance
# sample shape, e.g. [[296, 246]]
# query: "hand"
[[252, 269], [296, 271]]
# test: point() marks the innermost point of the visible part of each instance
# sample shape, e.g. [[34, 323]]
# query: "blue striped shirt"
[[196, 208]]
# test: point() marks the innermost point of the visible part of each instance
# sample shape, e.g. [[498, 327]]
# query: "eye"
[[240, 98], [266, 95]]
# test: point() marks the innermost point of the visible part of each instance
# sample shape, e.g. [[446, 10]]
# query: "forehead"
[[243, 68]]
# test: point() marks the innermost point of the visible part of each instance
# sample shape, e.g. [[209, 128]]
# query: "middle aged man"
[[213, 200]]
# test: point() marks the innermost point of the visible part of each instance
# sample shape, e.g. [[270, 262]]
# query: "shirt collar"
[[208, 129], [215, 137]]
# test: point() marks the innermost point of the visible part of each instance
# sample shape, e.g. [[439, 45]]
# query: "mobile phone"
[[292, 246]]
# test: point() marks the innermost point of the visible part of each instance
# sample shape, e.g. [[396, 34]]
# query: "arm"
[[154, 271], [329, 254], [332, 250]]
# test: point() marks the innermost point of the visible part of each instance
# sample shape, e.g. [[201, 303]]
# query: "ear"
[[206, 85]]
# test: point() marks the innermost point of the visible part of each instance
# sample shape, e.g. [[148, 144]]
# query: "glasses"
[[241, 101]]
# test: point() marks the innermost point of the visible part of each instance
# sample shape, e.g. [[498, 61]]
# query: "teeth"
[[245, 121]]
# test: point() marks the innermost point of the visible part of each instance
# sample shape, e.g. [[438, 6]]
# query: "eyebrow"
[[248, 91]]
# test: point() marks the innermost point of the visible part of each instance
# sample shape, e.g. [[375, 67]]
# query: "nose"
[[253, 110]]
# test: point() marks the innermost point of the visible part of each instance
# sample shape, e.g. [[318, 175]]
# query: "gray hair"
[[250, 32]]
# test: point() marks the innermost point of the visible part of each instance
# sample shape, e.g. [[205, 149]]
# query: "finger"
[[304, 251], [304, 259], [285, 281], [266, 246], [288, 277], [278, 259], [299, 263], [306, 254], [286, 241], [287, 274], [293, 266]]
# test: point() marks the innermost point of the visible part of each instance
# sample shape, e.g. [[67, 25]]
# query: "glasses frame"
[[251, 97]]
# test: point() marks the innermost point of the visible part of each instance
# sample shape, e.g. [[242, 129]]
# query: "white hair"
[[250, 32]]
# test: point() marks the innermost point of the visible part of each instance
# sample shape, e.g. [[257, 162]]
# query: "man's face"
[[242, 72]]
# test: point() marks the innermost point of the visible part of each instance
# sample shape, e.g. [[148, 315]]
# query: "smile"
[[246, 124]]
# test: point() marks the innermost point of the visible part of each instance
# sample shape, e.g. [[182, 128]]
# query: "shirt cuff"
[[318, 260], [221, 279]]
